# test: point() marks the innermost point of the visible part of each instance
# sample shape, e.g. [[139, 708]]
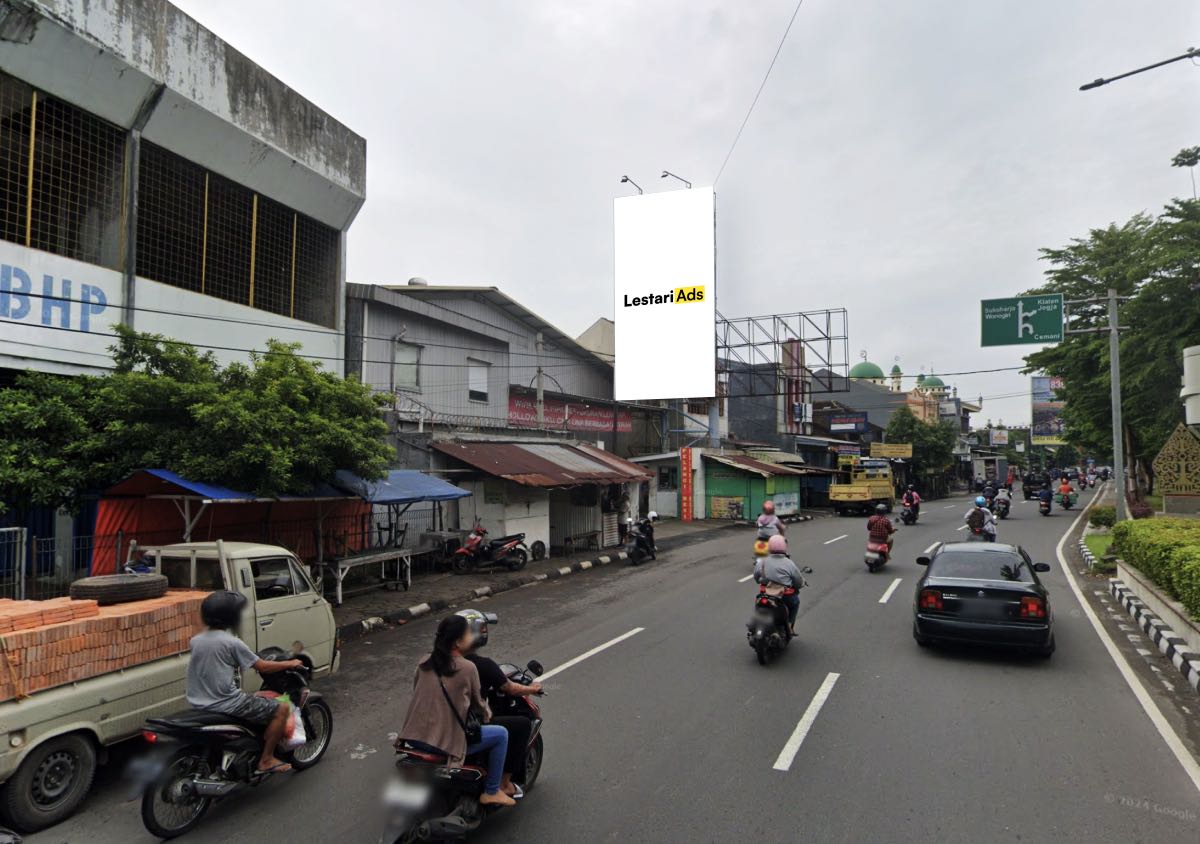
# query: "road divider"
[[890, 590], [570, 663], [788, 754], [835, 539]]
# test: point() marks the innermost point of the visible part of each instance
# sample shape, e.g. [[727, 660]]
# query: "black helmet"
[[478, 623], [910, 487], [223, 610], [881, 509]]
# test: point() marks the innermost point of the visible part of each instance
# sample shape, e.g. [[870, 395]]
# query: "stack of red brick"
[[50, 643]]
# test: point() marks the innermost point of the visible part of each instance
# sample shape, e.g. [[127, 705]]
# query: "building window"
[[66, 200], [668, 478], [477, 380], [201, 232], [697, 407], [406, 373]]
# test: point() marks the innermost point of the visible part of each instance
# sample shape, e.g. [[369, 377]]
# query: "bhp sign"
[[665, 254]]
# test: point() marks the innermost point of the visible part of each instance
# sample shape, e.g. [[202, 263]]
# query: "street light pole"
[[1192, 53], [1114, 360]]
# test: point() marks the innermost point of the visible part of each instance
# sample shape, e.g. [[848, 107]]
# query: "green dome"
[[933, 381], [865, 370], [896, 369]]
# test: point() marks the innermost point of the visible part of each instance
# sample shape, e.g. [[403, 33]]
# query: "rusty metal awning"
[[544, 464], [757, 467]]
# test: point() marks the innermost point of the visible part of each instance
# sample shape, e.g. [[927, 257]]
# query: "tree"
[[1155, 262], [277, 425], [1188, 158], [933, 444]]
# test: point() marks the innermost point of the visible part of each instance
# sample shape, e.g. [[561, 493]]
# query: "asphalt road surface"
[[675, 733]]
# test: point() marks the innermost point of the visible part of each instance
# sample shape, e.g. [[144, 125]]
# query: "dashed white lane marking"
[[964, 527], [573, 662], [1144, 652], [836, 538], [890, 590], [931, 547], [788, 754], [949, 506], [744, 579]]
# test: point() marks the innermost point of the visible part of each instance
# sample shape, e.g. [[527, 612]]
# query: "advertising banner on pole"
[[665, 295], [1047, 411], [999, 436], [686, 493]]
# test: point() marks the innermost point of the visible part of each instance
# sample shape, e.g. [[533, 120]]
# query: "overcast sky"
[[905, 160]]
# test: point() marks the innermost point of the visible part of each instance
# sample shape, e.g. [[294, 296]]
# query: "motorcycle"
[[429, 800], [639, 541], [1044, 507], [768, 632], [908, 514], [509, 551], [200, 756], [1066, 500], [1002, 506], [878, 554]]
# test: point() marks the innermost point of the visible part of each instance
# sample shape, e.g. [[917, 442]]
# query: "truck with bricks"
[[77, 676]]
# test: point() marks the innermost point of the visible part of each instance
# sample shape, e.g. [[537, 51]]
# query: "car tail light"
[[931, 599], [1032, 607], [151, 738]]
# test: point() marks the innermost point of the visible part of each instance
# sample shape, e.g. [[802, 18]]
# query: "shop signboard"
[[686, 492]]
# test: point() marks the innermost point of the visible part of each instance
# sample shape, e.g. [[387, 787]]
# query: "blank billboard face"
[[665, 308]]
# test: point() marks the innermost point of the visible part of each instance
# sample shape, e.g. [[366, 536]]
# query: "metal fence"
[[13, 550]]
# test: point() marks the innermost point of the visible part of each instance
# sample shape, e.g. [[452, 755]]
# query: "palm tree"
[[1188, 158]]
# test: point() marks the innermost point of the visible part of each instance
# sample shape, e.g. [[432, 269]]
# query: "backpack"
[[976, 520]]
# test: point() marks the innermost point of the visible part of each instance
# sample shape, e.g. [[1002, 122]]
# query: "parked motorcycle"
[[1002, 506], [428, 800], [639, 541], [200, 756], [480, 552], [768, 632]]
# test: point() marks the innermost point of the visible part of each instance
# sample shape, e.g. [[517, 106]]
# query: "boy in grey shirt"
[[212, 680]]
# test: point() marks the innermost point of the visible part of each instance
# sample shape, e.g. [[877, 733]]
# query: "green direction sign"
[[1024, 319]]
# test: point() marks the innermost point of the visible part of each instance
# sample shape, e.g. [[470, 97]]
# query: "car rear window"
[[179, 573], [981, 565]]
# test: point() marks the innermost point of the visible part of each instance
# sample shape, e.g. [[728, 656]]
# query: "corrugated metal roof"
[[542, 464], [749, 464]]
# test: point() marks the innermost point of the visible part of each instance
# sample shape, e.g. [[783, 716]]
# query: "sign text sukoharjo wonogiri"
[[678, 296]]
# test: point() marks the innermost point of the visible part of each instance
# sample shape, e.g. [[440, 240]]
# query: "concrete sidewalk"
[[379, 607]]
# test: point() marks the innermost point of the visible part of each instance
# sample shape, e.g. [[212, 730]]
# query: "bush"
[[1103, 517], [1139, 509], [1168, 552]]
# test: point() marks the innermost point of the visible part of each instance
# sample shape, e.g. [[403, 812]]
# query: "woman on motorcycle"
[[445, 688]]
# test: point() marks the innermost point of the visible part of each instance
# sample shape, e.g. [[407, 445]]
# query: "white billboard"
[[665, 296]]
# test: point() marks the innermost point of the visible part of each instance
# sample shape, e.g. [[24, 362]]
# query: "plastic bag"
[[296, 738]]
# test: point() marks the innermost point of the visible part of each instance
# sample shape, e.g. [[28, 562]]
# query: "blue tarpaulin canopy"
[[399, 486], [163, 483]]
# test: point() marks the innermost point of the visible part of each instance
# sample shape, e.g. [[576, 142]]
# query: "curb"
[[1088, 556], [361, 628], [1163, 636]]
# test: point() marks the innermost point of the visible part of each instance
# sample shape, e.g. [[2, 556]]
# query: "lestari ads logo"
[[678, 296]]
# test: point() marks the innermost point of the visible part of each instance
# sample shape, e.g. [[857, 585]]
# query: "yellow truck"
[[869, 483]]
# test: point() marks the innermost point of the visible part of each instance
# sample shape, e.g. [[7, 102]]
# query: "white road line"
[[949, 506], [890, 590], [1177, 747], [836, 538], [964, 527], [747, 577], [931, 547], [784, 762], [573, 662]]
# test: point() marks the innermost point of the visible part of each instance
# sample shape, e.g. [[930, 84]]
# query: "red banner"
[[570, 416], [685, 484]]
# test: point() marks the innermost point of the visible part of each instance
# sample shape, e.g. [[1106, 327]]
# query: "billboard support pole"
[[1114, 359]]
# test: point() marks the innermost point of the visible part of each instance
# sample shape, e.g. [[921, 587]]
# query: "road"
[[675, 733]]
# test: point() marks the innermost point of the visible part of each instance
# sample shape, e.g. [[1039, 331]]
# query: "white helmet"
[[652, 515]]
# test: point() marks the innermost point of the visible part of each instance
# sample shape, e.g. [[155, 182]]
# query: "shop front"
[[736, 486]]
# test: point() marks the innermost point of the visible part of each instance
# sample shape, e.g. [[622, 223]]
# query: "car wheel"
[[50, 783]]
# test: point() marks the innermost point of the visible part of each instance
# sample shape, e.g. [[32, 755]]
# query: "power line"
[[758, 94]]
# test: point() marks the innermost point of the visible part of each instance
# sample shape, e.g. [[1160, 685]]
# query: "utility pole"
[[541, 402], [1114, 359], [1112, 300]]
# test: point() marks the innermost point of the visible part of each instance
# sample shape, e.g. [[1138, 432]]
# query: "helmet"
[[910, 487], [768, 507], [980, 501], [477, 623], [777, 545], [652, 515], [881, 509], [629, 520], [222, 610]]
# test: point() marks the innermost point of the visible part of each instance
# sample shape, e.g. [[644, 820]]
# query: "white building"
[[151, 175]]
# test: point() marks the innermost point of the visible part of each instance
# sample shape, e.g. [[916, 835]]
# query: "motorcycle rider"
[[989, 492], [912, 499], [777, 567], [1065, 489], [768, 523], [212, 684], [980, 518], [880, 527], [499, 691]]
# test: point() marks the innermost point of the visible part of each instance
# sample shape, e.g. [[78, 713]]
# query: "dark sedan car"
[[986, 593]]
